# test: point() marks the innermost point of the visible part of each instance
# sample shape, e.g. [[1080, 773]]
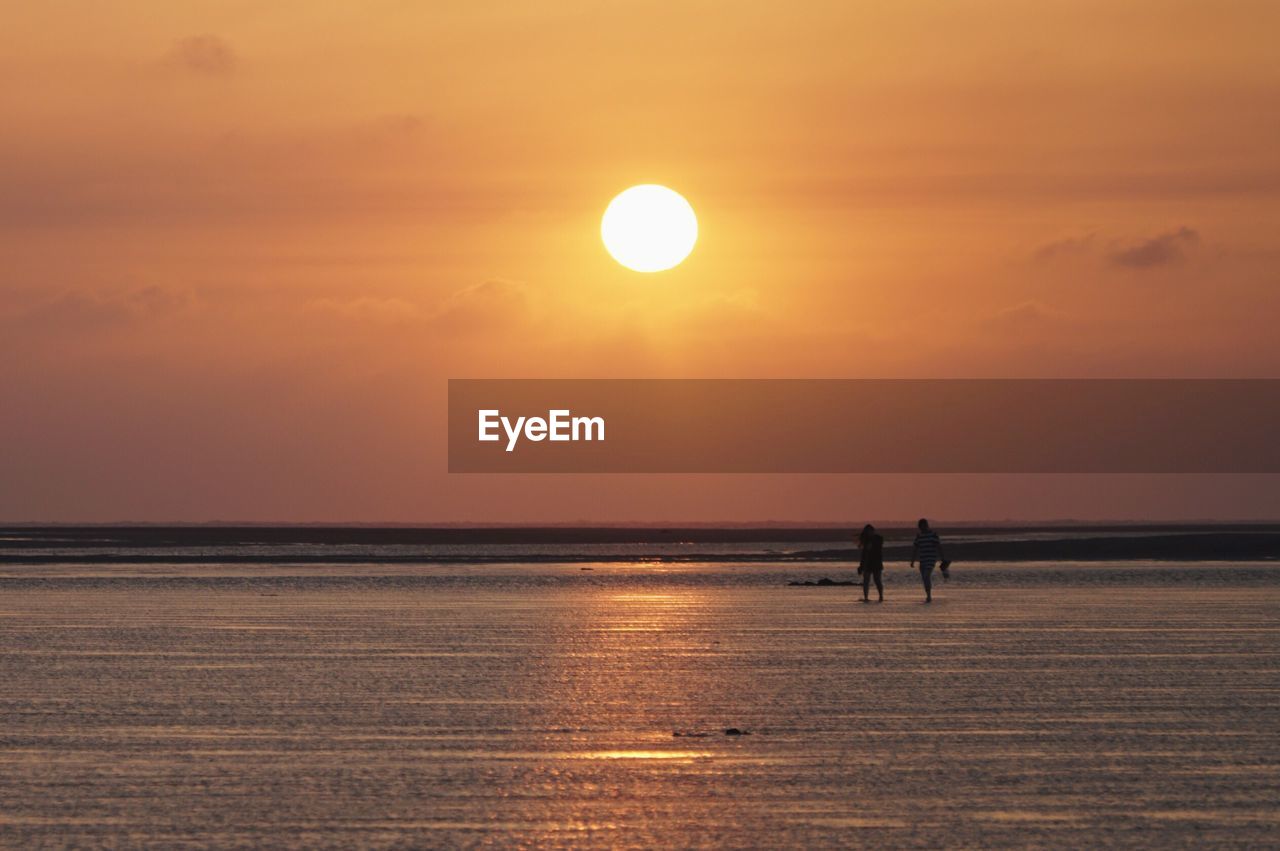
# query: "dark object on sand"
[[734, 731], [586, 568], [679, 735], [823, 582]]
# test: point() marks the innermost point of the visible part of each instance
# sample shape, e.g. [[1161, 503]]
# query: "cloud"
[[1063, 248], [1162, 250], [1025, 312], [370, 309], [400, 123], [208, 55], [81, 312], [1026, 318], [495, 302]]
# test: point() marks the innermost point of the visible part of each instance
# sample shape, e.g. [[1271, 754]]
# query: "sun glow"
[[649, 228]]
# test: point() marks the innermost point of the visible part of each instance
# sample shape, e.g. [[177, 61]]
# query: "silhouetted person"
[[928, 550], [871, 566]]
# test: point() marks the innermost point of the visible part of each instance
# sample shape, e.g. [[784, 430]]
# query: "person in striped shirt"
[[927, 549]]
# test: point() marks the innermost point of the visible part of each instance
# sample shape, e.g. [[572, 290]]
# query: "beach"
[[460, 425], [378, 705]]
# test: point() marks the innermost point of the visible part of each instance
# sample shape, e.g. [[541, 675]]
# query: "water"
[[407, 545], [445, 705]]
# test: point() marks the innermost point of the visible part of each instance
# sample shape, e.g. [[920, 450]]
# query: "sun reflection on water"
[[637, 754]]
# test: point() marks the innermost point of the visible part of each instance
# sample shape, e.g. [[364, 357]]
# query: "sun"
[[649, 228]]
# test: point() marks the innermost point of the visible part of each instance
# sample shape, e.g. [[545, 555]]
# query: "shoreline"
[[1184, 546], [144, 545]]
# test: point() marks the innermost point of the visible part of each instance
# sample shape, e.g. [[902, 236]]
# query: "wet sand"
[[340, 706]]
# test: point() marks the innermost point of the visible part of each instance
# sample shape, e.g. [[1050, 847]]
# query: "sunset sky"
[[245, 245]]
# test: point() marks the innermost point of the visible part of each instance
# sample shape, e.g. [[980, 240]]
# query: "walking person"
[[927, 549], [871, 565]]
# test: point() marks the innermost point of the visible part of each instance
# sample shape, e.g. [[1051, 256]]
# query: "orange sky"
[[245, 244]]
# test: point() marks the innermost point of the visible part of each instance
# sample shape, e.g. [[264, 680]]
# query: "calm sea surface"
[[497, 705]]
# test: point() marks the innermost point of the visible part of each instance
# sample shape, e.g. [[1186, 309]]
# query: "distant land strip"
[[163, 536], [1250, 545]]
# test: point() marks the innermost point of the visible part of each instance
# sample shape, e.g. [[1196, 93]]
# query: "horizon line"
[[633, 524]]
